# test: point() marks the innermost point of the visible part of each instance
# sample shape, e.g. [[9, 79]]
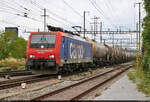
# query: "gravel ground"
[[68, 80], [83, 75], [14, 77], [78, 89], [33, 94], [92, 95], [123, 89], [3, 79], [46, 86], [15, 89]]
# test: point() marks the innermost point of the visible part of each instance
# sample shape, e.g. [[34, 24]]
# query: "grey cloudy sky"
[[66, 13]]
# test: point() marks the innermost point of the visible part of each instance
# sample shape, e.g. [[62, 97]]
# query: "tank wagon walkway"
[[123, 89]]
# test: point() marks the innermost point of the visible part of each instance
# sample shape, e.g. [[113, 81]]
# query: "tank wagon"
[[107, 54], [62, 51]]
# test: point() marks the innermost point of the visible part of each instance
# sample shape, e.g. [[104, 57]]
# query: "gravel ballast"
[[43, 87]]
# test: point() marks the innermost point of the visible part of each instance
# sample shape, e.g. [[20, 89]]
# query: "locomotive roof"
[[76, 37]]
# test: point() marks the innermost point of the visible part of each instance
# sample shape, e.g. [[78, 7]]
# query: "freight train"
[[63, 51]]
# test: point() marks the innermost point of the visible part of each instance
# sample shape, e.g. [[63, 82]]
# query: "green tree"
[[12, 46], [146, 36], [6, 39], [19, 48]]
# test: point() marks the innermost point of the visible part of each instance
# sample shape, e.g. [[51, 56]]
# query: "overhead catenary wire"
[[48, 10], [20, 15], [18, 12], [112, 11], [18, 25], [99, 10], [40, 7], [96, 6], [5, 3], [26, 9], [18, 4], [74, 10]]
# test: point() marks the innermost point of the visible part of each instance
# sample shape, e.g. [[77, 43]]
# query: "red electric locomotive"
[[52, 52], [42, 51]]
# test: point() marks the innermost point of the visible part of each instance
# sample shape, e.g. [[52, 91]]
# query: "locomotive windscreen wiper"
[[43, 39], [38, 40]]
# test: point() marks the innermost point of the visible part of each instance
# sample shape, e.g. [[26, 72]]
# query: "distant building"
[[14, 29]]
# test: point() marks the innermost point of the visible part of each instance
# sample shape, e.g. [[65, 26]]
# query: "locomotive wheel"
[[80, 69], [27, 67], [86, 68], [70, 69], [67, 72], [59, 73]]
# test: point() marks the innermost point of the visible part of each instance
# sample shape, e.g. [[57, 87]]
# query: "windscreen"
[[43, 41]]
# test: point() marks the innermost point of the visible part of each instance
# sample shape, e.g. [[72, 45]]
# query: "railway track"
[[29, 79], [82, 88], [15, 73]]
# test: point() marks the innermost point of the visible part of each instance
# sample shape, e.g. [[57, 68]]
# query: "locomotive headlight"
[[51, 56], [32, 56]]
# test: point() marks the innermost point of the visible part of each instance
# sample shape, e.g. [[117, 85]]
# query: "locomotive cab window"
[[43, 41]]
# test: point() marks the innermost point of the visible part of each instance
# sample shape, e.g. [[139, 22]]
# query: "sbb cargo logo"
[[76, 51]]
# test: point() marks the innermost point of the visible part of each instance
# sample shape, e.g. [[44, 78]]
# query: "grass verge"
[[12, 64], [141, 78]]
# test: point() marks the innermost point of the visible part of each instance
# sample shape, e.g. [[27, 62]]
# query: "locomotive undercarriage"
[[69, 68], [42, 66], [50, 67]]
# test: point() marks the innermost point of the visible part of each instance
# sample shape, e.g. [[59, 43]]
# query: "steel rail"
[[15, 73], [73, 85], [28, 80], [98, 85]]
